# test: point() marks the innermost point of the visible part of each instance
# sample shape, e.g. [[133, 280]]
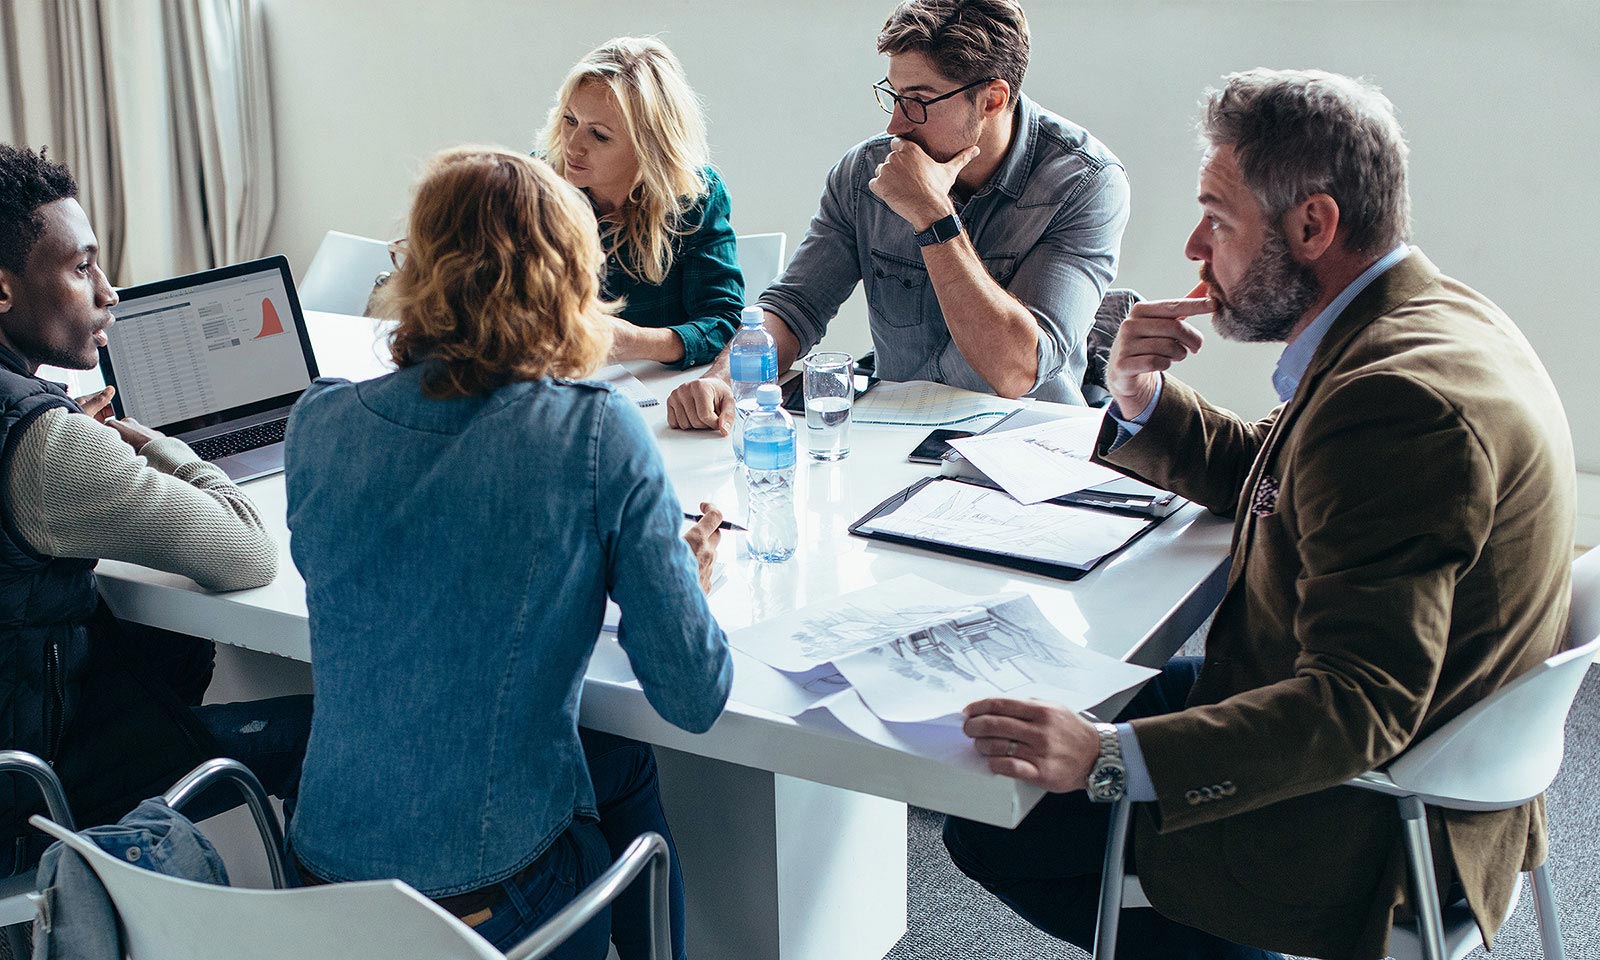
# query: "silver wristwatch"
[[1108, 778]]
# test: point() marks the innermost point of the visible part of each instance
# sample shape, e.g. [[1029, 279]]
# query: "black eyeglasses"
[[915, 109]]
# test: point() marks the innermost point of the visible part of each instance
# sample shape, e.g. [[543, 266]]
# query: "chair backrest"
[[171, 919], [1507, 748], [760, 260], [1114, 308], [340, 277]]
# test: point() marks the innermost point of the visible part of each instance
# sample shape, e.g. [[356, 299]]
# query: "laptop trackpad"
[[251, 464]]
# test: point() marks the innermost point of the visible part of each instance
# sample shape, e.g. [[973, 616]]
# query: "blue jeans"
[[268, 736], [1048, 868], [629, 798]]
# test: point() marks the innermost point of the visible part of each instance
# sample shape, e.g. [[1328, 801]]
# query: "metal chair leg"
[[55, 799], [255, 798], [1111, 876], [1544, 907], [1414, 818]]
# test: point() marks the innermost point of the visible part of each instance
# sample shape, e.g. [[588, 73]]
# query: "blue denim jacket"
[[457, 557], [77, 920], [1048, 226]]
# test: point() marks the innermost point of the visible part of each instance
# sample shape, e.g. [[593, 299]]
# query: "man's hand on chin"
[[916, 186], [1034, 742]]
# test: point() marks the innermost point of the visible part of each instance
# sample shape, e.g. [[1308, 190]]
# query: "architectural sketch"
[[1000, 647], [823, 633]]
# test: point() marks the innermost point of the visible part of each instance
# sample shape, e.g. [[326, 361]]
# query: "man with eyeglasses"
[[986, 228]]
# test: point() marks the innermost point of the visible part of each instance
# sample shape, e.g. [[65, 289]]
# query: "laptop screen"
[[208, 348]]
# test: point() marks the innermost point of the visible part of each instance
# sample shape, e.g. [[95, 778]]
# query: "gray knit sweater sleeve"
[[76, 489]]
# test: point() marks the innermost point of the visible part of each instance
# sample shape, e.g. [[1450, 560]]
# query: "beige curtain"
[[162, 109]]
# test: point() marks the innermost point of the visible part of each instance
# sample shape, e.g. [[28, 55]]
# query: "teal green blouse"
[[702, 294]]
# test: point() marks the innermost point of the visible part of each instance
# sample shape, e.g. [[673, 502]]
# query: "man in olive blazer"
[[1402, 544]]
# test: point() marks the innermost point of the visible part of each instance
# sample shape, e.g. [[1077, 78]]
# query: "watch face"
[[1106, 781]]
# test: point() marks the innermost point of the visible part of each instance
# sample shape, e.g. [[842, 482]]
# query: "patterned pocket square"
[[1265, 499]]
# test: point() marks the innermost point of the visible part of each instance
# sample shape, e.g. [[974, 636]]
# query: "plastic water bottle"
[[752, 361], [769, 454]]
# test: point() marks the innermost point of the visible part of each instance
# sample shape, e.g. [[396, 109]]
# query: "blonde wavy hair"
[[664, 122], [500, 279]]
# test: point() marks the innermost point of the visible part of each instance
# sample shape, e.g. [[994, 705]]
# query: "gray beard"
[[1270, 299]]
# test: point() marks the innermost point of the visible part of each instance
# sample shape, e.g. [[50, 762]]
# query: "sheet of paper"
[[964, 515], [1039, 462], [921, 403], [941, 740], [788, 694], [1001, 647], [627, 384], [812, 636]]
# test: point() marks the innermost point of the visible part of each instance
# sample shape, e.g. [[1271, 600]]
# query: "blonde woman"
[[626, 129], [498, 502]]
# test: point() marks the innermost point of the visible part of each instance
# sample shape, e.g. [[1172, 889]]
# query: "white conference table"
[[791, 831]]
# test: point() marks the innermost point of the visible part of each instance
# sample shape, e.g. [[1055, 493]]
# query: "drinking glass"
[[830, 393]]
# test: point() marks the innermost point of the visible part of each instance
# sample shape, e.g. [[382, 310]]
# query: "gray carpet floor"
[[949, 916]]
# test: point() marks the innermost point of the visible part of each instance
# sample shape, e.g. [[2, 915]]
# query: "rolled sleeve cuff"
[[696, 348], [809, 334], [1051, 358], [1141, 789]]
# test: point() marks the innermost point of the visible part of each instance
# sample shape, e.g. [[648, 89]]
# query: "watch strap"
[[939, 231]]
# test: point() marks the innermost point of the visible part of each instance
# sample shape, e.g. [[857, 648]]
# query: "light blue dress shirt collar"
[[1296, 356]]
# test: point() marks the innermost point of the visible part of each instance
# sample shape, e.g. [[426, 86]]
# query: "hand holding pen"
[[703, 538], [724, 525]]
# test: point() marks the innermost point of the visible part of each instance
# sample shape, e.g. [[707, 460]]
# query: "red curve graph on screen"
[[271, 326]]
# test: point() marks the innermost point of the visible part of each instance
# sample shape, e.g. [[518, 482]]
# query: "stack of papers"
[[921, 403], [924, 659], [1042, 461]]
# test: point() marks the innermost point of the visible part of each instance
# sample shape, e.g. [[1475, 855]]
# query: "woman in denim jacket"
[[627, 130], [459, 524]]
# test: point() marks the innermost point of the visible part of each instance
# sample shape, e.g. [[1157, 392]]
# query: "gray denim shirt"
[[1048, 226]]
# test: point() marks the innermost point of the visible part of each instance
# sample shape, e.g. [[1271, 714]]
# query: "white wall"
[[1498, 100]]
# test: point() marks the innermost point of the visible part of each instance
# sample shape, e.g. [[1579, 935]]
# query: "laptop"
[[215, 359]]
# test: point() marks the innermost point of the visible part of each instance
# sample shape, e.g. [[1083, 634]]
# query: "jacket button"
[[1228, 789], [132, 854], [1194, 798]]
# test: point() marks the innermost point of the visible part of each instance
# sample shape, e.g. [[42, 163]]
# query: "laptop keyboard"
[[250, 438]]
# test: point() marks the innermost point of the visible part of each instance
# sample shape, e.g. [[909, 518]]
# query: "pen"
[[724, 525]]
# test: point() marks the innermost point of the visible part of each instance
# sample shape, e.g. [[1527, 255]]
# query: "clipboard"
[[1047, 568], [1125, 495]]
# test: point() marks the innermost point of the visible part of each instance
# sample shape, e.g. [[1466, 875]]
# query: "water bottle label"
[[754, 367], [763, 454]]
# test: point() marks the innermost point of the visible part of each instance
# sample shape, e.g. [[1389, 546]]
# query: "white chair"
[[760, 260], [1500, 753], [340, 277], [171, 919]]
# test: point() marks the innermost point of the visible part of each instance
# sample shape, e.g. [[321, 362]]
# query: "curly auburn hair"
[[28, 181], [501, 276]]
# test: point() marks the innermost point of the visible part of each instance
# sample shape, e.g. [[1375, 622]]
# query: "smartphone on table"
[[934, 446]]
